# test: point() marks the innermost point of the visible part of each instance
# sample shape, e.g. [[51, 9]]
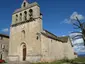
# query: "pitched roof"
[[64, 39], [52, 36], [3, 35]]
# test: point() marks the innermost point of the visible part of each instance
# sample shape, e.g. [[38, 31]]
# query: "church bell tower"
[[25, 33]]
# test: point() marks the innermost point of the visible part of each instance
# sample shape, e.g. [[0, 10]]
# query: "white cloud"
[[66, 21], [63, 35], [79, 49], [77, 41], [75, 14], [5, 30], [72, 18]]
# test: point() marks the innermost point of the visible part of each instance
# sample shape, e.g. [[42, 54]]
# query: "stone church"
[[30, 42]]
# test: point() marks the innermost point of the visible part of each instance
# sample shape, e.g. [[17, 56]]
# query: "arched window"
[[38, 36], [25, 15], [0, 56], [31, 13], [30, 10], [20, 16], [23, 34], [16, 17], [24, 5]]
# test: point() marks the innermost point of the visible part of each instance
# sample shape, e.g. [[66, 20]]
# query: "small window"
[[1, 56], [24, 5], [1, 38], [25, 15], [25, 12], [37, 38], [20, 16], [16, 17], [30, 10], [31, 13], [23, 34]]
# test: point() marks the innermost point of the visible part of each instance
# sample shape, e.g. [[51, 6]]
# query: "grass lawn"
[[80, 59], [55, 62]]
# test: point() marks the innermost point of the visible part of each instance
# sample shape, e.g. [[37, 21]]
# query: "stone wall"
[[68, 50], [4, 45], [51, 49], [55, 50]]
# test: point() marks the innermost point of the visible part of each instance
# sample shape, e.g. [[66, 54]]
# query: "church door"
[[24, 52]]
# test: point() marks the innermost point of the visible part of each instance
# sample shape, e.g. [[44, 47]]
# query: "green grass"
[[49, 63], [80, 59], [55, 62]]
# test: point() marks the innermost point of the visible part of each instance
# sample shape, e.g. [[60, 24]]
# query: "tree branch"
[[79, 23], [76, 25]]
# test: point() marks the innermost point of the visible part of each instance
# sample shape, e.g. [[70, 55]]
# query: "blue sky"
[[78, 43], [55, 14]]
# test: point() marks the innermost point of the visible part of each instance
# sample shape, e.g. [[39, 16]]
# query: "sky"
[[56, 14], [78, 43]]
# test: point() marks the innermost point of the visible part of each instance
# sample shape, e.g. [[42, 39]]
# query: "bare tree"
[[79, 25]]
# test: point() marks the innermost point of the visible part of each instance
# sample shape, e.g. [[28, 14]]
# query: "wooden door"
[[24, 52]]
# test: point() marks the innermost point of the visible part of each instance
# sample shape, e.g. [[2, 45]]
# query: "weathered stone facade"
[[30, 42], [4, 45]]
